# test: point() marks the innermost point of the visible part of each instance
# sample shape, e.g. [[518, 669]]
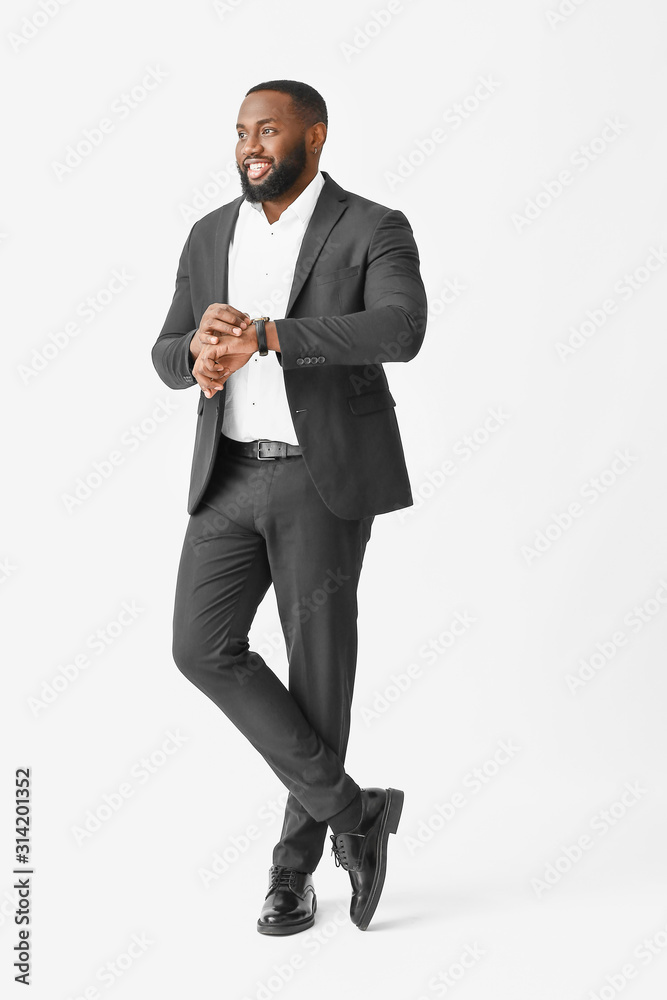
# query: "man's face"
[[271, 147]]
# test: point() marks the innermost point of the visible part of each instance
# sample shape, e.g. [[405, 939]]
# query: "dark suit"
[[299, 523], [357, 299]]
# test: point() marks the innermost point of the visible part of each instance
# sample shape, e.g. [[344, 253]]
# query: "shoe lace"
[[280, 878], [339, 852]]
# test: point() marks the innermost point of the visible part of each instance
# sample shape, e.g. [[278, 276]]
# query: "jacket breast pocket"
[[368, 402], [343, 272]]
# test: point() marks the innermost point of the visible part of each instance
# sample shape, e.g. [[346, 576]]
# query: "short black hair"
[[309, 105]]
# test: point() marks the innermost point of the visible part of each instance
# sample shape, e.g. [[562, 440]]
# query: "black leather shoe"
[[290, 903], [363, 851]]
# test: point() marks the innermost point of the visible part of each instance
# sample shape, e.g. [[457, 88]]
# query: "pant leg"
[[223, 575], [315, 560]]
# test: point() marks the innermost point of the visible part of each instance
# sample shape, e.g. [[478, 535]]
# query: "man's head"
[[281, 129]]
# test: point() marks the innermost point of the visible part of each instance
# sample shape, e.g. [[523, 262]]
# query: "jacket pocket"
[[343, 272], [367, 402]]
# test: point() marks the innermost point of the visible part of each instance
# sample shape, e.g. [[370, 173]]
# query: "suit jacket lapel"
[[223, 237], [329, 208]]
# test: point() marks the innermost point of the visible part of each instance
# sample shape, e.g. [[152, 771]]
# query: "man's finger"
[[219, 384], [210, 386], [208, 365], [216, 327], [228, 314]]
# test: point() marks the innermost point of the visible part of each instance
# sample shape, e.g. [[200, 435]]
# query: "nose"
[[253, 146]]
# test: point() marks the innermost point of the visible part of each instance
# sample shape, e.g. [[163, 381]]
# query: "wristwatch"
[[261, 334]]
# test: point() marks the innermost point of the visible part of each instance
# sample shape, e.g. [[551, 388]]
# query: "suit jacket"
[[357, 300]]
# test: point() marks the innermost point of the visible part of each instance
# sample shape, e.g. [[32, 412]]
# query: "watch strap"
[[261, 335]]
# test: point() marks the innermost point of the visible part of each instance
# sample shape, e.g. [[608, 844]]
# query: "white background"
[[469, 546]]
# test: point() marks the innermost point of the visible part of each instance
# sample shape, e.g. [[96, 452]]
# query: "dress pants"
[[261, 523]]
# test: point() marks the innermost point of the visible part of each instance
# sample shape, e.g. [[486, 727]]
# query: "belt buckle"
[[264, 458]]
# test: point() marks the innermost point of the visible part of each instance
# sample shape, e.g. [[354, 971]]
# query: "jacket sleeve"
[[171, 351], [393, 323]]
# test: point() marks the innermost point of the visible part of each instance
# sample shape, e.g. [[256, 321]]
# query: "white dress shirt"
[[262, 260]]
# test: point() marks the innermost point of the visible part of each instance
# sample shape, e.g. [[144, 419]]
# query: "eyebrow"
[[262, 121]]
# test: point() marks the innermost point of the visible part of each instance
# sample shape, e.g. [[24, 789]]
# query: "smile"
[[257, 168]]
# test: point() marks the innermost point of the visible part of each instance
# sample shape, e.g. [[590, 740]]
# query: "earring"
[[315, 150]]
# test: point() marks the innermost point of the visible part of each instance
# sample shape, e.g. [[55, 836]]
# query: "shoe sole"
[[393, 808], [283, 929]]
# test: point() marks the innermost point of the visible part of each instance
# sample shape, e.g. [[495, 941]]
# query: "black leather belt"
[[263, 450]]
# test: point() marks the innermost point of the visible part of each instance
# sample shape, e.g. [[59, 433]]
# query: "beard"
[[281, 177]]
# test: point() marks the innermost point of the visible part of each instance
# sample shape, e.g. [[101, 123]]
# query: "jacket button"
[[299, 361], [307, 361], [321, 360]]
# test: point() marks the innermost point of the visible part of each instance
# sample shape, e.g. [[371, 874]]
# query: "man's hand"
[[218, 320], [216, 362]]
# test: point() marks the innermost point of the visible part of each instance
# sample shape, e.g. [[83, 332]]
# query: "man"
[[287, 302]]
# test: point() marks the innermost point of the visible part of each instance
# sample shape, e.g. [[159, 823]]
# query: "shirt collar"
[[303, 206]]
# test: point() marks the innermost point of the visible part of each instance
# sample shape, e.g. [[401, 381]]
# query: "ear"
[[316, 136]]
